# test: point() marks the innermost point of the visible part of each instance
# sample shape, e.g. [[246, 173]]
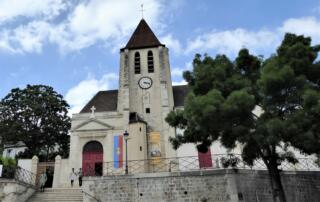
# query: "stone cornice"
[[98, 115], [91, 133], [95, 120]]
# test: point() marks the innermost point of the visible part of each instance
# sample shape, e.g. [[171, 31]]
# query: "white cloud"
[[5, 42], [10, 9], [179, 83], [108, 23], [308, 26], [259, 42], [177, 71], [96, 20], [26, 38], [87, 23], [80, 94], [172, 43], [231, 41]]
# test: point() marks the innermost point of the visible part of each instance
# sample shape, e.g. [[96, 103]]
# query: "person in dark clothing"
[[80, 174]]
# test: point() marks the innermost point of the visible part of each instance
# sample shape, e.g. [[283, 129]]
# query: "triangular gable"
[[92, 124]]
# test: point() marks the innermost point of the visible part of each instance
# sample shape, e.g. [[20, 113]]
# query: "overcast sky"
[[73, 45]]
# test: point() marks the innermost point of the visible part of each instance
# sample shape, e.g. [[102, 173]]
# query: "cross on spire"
[[142, 11]]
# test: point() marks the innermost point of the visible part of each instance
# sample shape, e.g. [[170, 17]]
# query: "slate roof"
[[105, 101], [179, 95], [142, 37]]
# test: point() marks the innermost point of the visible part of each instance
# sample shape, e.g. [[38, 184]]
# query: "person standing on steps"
[[80, 174], [42, 181], [72, 176]]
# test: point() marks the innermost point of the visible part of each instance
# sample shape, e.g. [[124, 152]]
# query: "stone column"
[[34, 166], [57, 172]]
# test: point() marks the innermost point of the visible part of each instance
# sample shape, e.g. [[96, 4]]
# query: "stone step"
[[56, 200], [59, 198], [63, 190], [58, 195], [35, 199]]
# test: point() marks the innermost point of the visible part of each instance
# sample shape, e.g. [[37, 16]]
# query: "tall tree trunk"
[[47, 153], [275, 180]]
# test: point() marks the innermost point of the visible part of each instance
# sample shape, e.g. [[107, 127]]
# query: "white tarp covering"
[[1, 170]]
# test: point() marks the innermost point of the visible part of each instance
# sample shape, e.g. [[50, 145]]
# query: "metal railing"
[[25, 176], [92, 197], [192, 163], [19, 174]]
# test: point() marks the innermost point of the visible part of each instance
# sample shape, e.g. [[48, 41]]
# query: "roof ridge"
[[108, 90]]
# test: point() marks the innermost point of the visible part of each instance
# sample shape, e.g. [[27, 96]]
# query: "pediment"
[[92, 125]]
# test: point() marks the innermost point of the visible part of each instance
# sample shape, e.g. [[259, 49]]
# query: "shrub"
[[230, 161], [9, 167]]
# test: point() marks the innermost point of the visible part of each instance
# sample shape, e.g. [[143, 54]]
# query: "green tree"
[[36, 116], [224, 94]]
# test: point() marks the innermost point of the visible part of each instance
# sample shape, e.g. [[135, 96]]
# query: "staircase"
[[58, 195]]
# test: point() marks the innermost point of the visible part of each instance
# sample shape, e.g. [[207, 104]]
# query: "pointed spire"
[[143, 37]]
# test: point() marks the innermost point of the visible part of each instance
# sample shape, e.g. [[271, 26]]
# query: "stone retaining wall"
[[204, 186], [12, 191]]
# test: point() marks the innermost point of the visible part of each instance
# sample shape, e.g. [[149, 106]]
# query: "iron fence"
[[90, 196], [19, 174], [193, 163], [25, 176]]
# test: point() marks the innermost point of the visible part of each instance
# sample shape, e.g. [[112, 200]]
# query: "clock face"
[[145, 82]]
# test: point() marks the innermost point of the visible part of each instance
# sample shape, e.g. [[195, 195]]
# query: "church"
[[128, 124], [137, 109]]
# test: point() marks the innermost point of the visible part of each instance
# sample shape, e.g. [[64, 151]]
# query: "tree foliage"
[[224, 96], [36, 116]]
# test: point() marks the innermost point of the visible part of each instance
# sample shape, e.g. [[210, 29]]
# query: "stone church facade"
[[140, 105]]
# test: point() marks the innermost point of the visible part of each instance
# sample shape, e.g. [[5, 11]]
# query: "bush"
[[230, 161], [9, 167]]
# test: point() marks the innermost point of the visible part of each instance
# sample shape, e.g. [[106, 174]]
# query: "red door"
[[91, 162], [92, 159], [205, 160]]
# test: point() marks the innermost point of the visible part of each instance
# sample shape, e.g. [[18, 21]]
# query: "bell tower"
[[145, 85]]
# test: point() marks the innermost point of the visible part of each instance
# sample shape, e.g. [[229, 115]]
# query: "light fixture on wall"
[[126, 138]]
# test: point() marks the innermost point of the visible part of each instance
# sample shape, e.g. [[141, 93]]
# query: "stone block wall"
[[299, 186], [203, 186], [12, 191]]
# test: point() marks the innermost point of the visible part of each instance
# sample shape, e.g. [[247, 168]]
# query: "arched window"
[[150, 62], [137, 65]]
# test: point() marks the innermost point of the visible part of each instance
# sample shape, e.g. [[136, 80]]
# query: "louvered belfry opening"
[[150, 62], [137, 64]]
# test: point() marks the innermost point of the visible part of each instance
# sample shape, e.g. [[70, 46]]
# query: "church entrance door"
[[92, 159]]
